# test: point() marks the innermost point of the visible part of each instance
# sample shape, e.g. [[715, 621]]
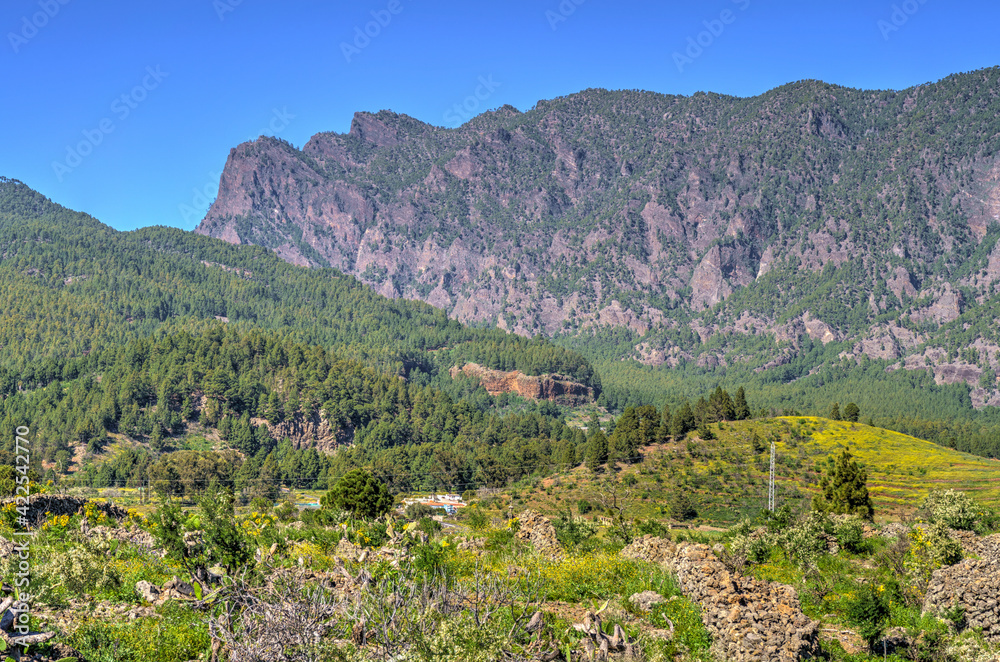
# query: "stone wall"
[[973, 584], [534, 528], [749, 620]]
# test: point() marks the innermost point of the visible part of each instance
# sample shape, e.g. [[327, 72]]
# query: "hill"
[[723, 479], [154, 335]]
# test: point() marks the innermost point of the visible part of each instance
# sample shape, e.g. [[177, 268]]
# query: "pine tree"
[[835, 411], [597, 454], [740, 406], [845, 488], [851, 412], [683, 422]]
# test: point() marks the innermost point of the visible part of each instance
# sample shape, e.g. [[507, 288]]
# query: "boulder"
[[646, 600], [147, 591]]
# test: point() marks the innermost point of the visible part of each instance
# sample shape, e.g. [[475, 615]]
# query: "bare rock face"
[[638, 210], [708, 287], [818, 329], [946, 308], [557, 388], [314, 432]]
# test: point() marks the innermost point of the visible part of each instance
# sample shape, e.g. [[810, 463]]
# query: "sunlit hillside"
[[724, 478]]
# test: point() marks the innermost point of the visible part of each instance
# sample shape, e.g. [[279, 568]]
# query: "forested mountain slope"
[[138, 342], [713, 229], [70, 285]]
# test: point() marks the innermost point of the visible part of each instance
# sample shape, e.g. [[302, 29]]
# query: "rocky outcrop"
[[557, 388], [750, 620], [535, 529], [314, 432], [708, 287]]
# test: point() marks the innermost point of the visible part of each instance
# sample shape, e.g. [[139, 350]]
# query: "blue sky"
[[128, 110]]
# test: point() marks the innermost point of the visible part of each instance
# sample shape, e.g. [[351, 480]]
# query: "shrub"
[[360, 494], [952, 509], [429, 526], [747, 545], [82, 568], [571, 533], [260, 505], [851, 535], [868, 611], [417, 511], [476, 518], [805, 542]]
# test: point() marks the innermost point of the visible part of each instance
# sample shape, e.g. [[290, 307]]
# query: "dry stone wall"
[[750, 620], [973, 584], [534, 528]]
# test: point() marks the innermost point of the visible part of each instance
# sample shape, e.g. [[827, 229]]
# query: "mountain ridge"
[[661, 213]]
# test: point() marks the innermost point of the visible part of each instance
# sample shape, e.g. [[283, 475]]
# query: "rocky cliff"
[[556, 388], [809, 212]]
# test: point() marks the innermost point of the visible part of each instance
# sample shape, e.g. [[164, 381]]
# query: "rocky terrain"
[[555, 388], [809, 212]]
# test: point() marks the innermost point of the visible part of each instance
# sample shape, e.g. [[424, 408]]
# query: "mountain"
[[860, 219], [148, 339]]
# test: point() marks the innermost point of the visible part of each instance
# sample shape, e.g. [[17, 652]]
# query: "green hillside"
[[724, 479]]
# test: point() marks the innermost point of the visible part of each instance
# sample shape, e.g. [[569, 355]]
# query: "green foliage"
[[868, 611], [176, 633], [953, 509], [690, 634], [225, 542], [845, 488], [360, 494], [852, 412], [417, 511], [573, 533], [476, 518]]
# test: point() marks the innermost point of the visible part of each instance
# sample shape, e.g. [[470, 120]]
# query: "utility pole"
[[770, 484]]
